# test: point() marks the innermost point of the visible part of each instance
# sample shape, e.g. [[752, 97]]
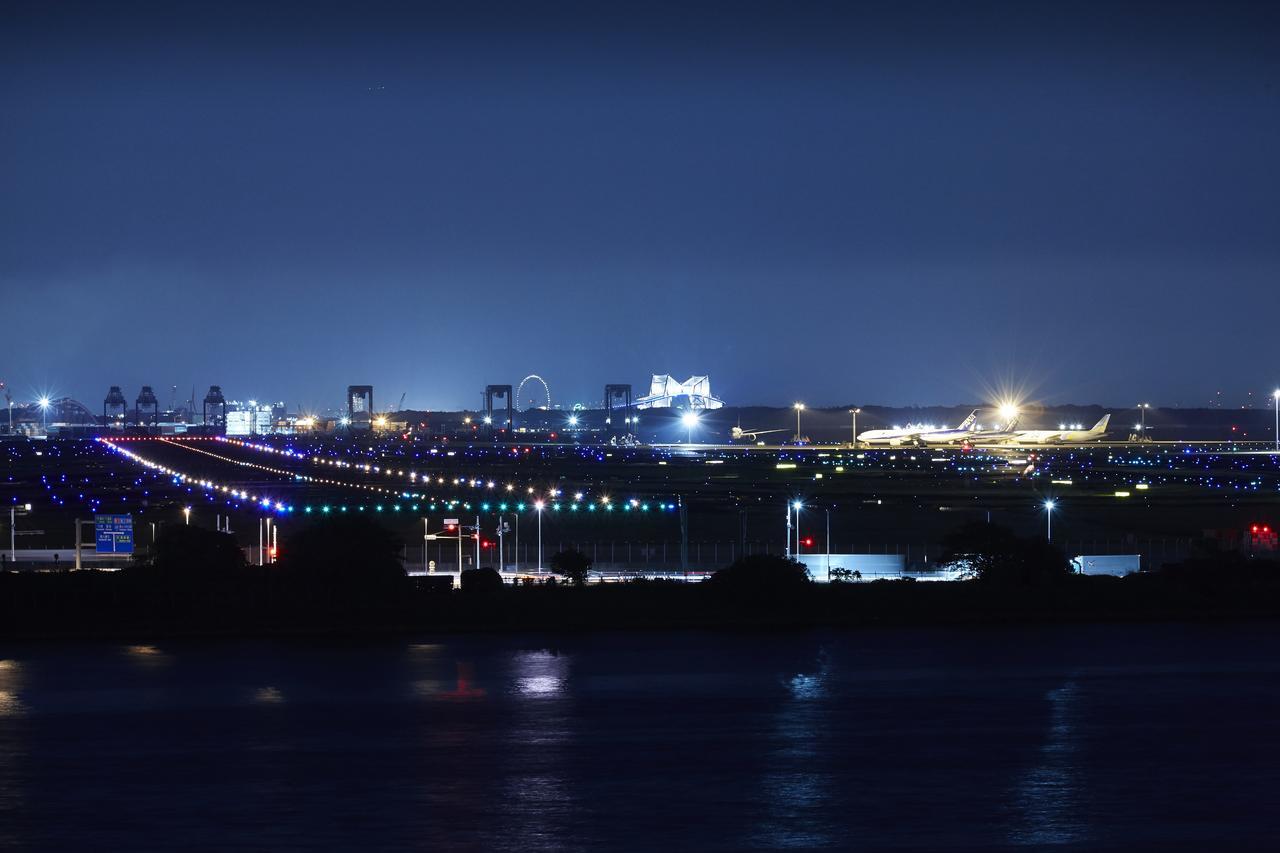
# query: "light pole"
[[502, 552], [787, 548], [1142, 426], [13, 536], [853, 426], [797, 505], [1275, 395], [186, 514], [538, 506], [1048, 518], [828, 545], [44, 414], [799, 407], [690, 420]]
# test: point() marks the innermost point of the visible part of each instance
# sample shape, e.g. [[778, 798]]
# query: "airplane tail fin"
[[1101, 426], [1013, 423], [968, 422]]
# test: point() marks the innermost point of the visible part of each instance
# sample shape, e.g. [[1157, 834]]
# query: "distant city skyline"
[[831, 202]]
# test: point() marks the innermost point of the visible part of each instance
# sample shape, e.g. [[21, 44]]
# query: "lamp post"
[[787, 547], [1275, 395], [828, 545], [13, 536], [796, 505], [690, 420], [853, 426], [186, 515], [1048, 518], [44, 414], [799, 407], [1142, 426], [538, 505]]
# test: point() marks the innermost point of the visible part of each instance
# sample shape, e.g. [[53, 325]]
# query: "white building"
[[666, 393]]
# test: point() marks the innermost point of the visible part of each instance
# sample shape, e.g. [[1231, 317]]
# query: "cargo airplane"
[[1053, 436]]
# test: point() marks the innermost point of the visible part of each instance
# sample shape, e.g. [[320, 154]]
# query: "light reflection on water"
[[1049, 793], [1006, 738], [10, 684], [796, 786]]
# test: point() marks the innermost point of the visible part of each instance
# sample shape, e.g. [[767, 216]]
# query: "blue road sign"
[[114, 533]]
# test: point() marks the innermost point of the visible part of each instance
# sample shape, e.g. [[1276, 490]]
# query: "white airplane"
[[909, 434], [967, 429], [739, 434], [1059, 436], [997, 435]]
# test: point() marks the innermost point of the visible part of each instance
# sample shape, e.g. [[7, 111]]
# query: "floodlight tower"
[[690, 421]]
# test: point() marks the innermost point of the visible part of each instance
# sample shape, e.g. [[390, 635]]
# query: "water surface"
[[1163, 737]]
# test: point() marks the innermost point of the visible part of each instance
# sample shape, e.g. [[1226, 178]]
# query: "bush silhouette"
[[762, 573], [188, 556], [483, 579], [573, 564], [994, 554], [343, 562]]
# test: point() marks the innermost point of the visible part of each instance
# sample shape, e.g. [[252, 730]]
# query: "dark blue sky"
[[892, 202]]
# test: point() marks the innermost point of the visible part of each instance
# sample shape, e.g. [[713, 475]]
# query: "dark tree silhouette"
[[484, 579], [573, 564], [762, 572], [344, 562], [186, 552], [991, 553]]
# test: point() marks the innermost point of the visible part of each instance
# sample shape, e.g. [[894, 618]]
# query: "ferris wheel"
[[546, 391]]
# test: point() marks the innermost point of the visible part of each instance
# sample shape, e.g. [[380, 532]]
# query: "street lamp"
[[13, 536], [1048, 517], [1142, 426], [1275, 395], [796, 505], [186, 514], [799, 407], [690, 420], [44, 412], [538, 505], [573, 420], [853, 426]]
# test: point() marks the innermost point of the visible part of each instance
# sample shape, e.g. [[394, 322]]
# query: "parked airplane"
[[966, 430], [1058, 436], [739, 434], [998, 435], [909, 434]]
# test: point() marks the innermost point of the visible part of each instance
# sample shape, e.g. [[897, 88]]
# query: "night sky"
[[881, 203]]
